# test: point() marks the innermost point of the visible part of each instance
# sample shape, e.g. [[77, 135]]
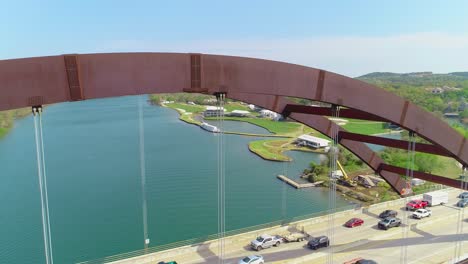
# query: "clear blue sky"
[[350, 37]]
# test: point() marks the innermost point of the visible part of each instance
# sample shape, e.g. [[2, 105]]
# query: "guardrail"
[[200, 240]]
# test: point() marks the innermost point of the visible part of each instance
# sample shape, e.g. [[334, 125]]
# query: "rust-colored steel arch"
[[74, 77]]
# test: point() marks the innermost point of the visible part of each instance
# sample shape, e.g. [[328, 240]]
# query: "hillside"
[[437, 93]]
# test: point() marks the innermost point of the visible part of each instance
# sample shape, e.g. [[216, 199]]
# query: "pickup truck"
[[296, 237], [266, 241], [389, 222], [416, 204], [421, 213]]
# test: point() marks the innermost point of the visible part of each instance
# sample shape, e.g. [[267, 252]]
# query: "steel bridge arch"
[[74, 77]]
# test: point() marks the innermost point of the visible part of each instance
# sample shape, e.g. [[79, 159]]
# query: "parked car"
[[421, 213], [318, 242], [388, 213], [416, 204], [296, 237], [360, 261], [354, 222], [462, 202], [170, 262], [366, 261], [463, 195], [266, 241], [255, 259], [389, 222]]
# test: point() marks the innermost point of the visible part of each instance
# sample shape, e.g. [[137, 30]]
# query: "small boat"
[[210, 128]]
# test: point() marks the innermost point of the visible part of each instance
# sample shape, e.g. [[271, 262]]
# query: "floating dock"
[[296, 184]]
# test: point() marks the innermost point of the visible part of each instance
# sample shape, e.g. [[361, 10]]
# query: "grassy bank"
[[276, 127], [7, 119], [365, 127]]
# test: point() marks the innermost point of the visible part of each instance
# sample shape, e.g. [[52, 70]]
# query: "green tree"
[[427, 162]]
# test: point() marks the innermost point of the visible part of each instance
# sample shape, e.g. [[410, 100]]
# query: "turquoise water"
[[93, 172]]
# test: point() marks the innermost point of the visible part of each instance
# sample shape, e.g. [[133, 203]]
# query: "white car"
[[252, 260], [421, 213]]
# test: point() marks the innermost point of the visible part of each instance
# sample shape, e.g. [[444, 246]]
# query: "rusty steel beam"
[[327, 111], [325, 126], [73, 77], [48, 80], [394, 143], [422, 175]]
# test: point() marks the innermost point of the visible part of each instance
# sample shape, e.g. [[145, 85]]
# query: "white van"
[[436, 198]]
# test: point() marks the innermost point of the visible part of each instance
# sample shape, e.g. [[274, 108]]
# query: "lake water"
[[92, 160]]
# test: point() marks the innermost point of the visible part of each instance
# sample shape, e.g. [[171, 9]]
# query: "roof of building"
[[240, 112], [267, 111], [214, 108], [310, 138]]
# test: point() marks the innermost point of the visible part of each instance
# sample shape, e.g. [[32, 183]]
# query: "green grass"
[[187, 107], [276, 127], [236, 106], [7, 119], [261, 148], [448, 168], [188, 118], [366, 128], [3, 131]]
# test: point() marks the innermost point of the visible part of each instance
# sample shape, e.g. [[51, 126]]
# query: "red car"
[[416, 204], [354, 222]]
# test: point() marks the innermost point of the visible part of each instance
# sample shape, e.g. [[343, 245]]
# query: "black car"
[[318, 242], [365, 261], [388, 213]]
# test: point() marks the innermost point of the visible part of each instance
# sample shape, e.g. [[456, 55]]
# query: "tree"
[[427, 162]]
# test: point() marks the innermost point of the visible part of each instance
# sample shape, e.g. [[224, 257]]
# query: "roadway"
[[430, 240]]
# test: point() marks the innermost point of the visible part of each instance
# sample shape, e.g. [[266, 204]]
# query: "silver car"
[[256, 259], [266, 241], [462, 202], [463, 195]]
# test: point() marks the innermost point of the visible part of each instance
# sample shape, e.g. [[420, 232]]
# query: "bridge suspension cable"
[[334, 150], [144, 208], [284, 198], [409, 190], [461, 215], [221, 178], [42, 177]]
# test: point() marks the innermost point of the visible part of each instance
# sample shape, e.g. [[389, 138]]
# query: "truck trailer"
[[436, 198]]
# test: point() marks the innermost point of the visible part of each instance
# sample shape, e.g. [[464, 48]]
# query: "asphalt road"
[[430, 240]]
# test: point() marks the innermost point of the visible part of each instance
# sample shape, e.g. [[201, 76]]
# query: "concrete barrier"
[[246, 237]]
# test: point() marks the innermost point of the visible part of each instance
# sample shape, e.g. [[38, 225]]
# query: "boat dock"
[[296, 184]]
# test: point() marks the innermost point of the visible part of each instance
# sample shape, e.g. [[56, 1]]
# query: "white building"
[[270, 114], [311, 141], [213, 111], [253, 107], [239, 113]]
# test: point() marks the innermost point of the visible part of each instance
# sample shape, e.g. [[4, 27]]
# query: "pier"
[[296, 184]]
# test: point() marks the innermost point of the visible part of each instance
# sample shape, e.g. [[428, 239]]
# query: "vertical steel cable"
[[42, 184], [218, 150], [332, 187], [461, 216], [409, 179], [41, 137], [143, 174], [283, 195], [221, 179]]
